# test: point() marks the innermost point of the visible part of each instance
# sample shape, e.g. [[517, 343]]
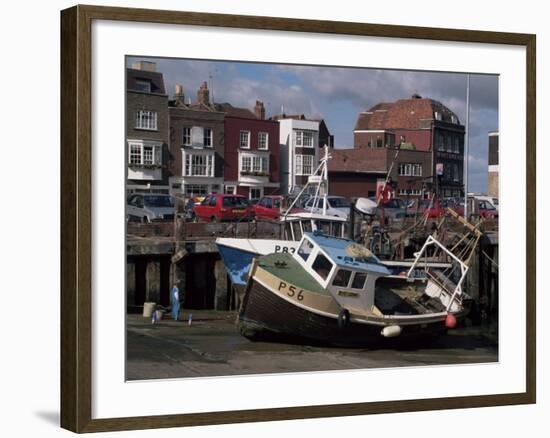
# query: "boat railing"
[[440, 279]]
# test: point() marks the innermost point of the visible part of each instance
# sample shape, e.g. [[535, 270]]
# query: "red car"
[[271, 207], [220, 207]]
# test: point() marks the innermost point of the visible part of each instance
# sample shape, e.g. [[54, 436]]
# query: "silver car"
[[150, 207], [336, 206]]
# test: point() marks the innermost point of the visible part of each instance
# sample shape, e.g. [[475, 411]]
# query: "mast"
[[466, 146]]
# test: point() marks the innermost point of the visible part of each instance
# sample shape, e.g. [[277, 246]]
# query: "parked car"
[[336, 206], [150, 207], [221, 207], [395, 208], [271, 207]]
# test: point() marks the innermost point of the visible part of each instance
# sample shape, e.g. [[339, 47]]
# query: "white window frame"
[[300, 164], [186, 134], [410, 169], [156, 153], [254, 163], [210, 137], [261, 189], [146, 119], [230, 190], [263, 138], [299, 137], [191, 165], [241, 144]]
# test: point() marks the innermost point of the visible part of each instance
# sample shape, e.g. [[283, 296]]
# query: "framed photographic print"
[[301, 217]]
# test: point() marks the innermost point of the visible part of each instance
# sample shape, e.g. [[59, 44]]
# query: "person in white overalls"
[[175, 301]]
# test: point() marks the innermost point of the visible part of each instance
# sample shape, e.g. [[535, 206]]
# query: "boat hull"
[[264, 315]]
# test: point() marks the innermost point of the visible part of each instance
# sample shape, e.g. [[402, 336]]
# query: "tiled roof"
[[233, 111], [155, 78], [361, 160], [403, 114]]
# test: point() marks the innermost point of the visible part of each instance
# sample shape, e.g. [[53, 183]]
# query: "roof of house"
[[403, 114], [154, 78], [359, 160], [233, 111]]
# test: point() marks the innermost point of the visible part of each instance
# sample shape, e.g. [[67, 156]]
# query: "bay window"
[[304, 164], [303, 139], [199, 165], [144, 154]]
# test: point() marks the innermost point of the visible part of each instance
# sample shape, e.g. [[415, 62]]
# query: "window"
[[207, 137], [255, 193], [244, 139], [135, 153], [342, 278], [304, 164], [263, 142], [359, 280], [439, 141], [297, 230], [305, 249], [303, 139], [322, 266], [409, 192], [379, 142], [402, 139], [186, 136], [144, 154], [456, 175], [449, 143], [196, 189], [143, 85], [410, 169], [246, 163], [199, 165], [230, 190], [146, 120], [456, 145]]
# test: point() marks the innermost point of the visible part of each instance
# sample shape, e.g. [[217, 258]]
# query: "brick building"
[[196, 144], [356, 172], [251, 165], [492, 179], [146, 129], [416, 126]]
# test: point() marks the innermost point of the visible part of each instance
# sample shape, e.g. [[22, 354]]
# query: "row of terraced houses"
[[193, 146]]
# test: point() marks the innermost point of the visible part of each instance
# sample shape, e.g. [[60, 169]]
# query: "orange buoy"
[[450, 321]]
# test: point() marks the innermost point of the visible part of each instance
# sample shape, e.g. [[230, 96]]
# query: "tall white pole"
[[466, 146]]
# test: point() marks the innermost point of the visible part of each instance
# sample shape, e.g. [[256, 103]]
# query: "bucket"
[[148, 309]]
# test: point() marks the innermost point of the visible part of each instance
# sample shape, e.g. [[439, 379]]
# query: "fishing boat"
[[237, 253], [333, 291]]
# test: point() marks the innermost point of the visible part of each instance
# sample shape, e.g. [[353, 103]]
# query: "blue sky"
[[337, 95]]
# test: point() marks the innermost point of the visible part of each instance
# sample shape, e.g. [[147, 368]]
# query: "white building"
[[299, 149]]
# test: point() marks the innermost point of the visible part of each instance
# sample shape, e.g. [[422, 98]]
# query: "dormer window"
[[143, 85]]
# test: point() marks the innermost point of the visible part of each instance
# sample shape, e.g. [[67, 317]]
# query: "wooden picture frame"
[[76, 201]]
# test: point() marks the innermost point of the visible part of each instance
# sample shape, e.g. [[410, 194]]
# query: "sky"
[[338, 94]]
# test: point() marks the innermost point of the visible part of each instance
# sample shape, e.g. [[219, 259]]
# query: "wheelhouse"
[[349, 271], [297, 225]]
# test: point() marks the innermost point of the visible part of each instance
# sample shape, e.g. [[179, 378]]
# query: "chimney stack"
[[203, 95], [179, 96], [259, 110], [145, 66]]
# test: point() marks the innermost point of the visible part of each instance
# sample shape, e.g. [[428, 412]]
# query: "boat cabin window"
[[325, 227], [322, 266], [305, 249], [288, 231], [342, 278], [306, 225], [359, 280], [337, 229], [297, 230]]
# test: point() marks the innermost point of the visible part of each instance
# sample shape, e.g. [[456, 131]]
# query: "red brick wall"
[[352, 185], [233, 126]]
